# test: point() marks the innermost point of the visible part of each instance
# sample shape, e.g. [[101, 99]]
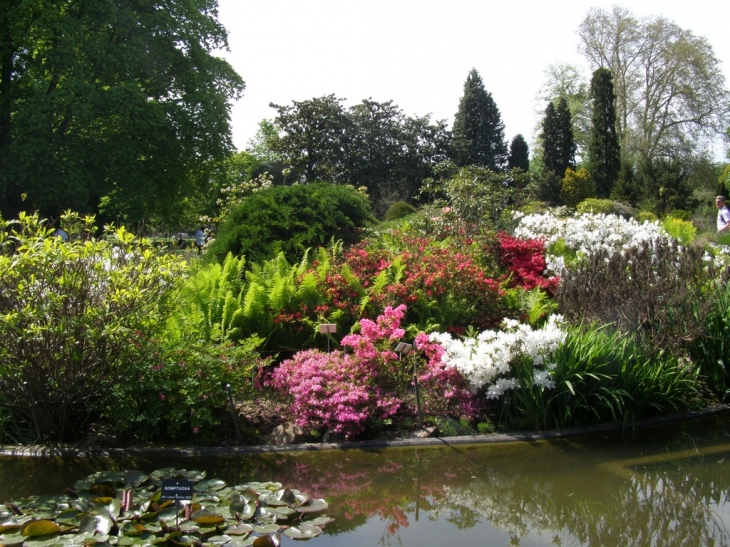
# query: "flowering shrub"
[[525, 260], [586, 234], [490, 357], [443, 285], [344, 391]]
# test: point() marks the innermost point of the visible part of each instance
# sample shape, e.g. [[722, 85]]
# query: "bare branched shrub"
[[660, 291]]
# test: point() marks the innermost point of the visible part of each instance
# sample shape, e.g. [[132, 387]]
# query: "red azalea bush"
[[525, 260], [442, 283], [344, 391]]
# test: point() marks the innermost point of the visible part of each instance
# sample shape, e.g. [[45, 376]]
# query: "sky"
[[418, 53]]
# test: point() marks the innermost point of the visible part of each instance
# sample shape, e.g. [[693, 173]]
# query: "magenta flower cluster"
[[343, 391]]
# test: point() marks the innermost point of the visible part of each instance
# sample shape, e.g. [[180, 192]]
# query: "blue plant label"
[[177, 489]]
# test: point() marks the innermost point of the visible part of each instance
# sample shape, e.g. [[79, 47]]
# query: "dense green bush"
[[398, 210], [74, 318], [604, 206], [180, 391], [682, 230], [577, 186], [290, 219]]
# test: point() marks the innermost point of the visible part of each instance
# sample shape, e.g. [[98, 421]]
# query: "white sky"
[[419, 52]]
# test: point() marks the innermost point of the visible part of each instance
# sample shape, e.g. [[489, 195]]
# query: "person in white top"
[[200, 239], [723, 215]]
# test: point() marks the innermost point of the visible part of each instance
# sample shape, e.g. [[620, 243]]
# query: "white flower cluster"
[[587, 233], [487, 359]]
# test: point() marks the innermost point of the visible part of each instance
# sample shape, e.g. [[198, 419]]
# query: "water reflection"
[[662, 488]]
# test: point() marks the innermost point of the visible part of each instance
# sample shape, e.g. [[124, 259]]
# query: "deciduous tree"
[[669, 88], [111, 105]]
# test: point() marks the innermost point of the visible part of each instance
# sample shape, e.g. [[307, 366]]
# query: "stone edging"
[[45, 451]]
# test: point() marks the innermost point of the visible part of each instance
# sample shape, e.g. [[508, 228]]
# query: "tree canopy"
[[670, 91], [478, 132], [111, 106], [370, 144]]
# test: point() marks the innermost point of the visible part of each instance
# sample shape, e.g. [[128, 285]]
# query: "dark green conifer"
[[604, 154], [557, 137], [478, 133], [519, 154]]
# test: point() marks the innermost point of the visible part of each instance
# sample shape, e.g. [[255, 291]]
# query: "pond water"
[[665, 486]]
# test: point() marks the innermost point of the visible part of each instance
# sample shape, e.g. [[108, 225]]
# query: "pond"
[[665, 486]]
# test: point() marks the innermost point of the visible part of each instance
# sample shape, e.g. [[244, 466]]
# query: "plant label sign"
[[177, 489]]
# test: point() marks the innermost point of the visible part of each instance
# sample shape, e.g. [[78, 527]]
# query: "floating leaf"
[[241, 542], [303, 531], [266, 528], [40, 528], [320, 521], [313, 506], [239, 529], [69, 516], [210, 484], [42, 541], [267, 541], [286, 495], [284, 512], [219, 540], [10, 525], [205, 516], [134, 478]]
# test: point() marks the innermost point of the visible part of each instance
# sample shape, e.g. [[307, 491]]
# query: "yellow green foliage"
[[577, 187], [683, 230], [725, 178]]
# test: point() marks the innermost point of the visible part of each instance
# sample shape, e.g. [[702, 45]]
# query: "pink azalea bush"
[[343, 391]]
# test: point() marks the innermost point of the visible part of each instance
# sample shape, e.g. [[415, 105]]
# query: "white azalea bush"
[[586, 234], [489, 358]]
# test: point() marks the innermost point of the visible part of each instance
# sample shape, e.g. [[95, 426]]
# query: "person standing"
[[200, 239], [723, 215]]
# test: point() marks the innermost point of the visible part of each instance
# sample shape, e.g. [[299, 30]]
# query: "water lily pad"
[[40, 528], [42, 541], [171, 513], [9, 525], [303, 531], [239, 529], [69, 516], [205, 516], [284, 512], [266, 529], [244, 510], [313, 506], [219, 540], [134, 478], [245, 542], [321, 521], [210, 484], [286, 495], [273, 540]]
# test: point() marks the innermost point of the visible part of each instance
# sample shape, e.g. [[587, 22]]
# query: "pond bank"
[[507, 437]]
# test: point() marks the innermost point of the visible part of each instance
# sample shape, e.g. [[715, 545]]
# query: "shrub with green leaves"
[[680, 229], [74, 318], [180, 392], [604, 206], [398, 210], [291, 219], [577, 186]]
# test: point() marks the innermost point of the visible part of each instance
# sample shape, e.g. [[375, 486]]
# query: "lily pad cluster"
[[126, 508]]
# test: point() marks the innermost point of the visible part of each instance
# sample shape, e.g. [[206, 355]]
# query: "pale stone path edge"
[[517, 436]]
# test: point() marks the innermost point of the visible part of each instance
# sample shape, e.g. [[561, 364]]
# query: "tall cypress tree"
[[478, 133], [519, 154], [557, 139], [604, 153]]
